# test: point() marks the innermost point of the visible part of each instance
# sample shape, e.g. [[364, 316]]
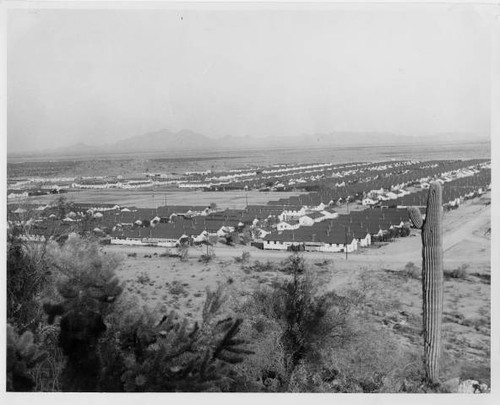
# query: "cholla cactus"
[[432, 277], [22, 354], [88, 286]]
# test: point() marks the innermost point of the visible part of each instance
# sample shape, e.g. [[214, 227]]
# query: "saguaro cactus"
[[432, 277]]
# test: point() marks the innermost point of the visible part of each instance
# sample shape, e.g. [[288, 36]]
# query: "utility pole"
[[345, 229]]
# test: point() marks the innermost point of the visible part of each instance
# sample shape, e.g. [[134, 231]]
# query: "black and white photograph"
[[250, 197]]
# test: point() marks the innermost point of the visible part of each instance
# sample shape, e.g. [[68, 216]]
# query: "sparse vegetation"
[[323, 263], [412, 271], [459, 273], [259, 267], [483, 277], [177, 288], [243, 259], [143, 278]]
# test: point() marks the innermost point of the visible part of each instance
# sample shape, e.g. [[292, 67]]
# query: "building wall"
[[128, 242], [144, 242], [366, 241], [312, 246], [270, 245]]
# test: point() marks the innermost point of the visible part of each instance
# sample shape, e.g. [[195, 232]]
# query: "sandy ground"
[[395, 300]]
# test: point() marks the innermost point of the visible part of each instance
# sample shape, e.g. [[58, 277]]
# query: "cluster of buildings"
[[308, 222]]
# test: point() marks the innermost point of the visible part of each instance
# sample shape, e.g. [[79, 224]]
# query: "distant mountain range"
[[186, 140]]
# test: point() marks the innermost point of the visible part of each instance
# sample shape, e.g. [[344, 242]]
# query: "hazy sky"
[[96, 76]]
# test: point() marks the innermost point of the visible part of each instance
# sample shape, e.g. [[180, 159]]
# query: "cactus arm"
[[416, 217]]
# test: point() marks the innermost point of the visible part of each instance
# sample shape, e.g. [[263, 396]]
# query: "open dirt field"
[[150, 198], [394, 297]]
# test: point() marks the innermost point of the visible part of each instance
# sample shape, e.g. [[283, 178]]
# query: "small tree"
[[307, 319], [62, 206], [28, 275], [87, 286]]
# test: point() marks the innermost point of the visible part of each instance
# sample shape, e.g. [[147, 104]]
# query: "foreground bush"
[[22, 355], [146, 351], [28, 275], [88, 287], [298, 338], [298, 320], [95, 340]]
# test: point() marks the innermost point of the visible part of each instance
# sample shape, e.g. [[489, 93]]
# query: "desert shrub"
[[176, 288], [293, 264], [411, 271], [134, 254], [372, 360], [458, 273], [243, 259], [102, 343], [28, 276], [259, 267], [405, 231], [48, 373], [206, 258], [22, 356], [304, 320], [148, 350], [143, 278], [245, 237], [483, 277], [88, 287], [174, 252], [265, 368], [480, 371], [476, 323], [323, 263]]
